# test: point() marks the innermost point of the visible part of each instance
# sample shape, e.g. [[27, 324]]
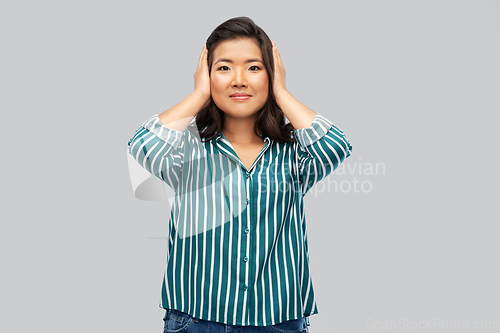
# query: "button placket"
[[248, 186]]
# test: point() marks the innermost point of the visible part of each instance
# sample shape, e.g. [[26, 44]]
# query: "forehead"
[[238, 49]]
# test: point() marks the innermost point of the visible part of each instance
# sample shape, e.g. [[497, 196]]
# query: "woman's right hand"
[[201, 77]]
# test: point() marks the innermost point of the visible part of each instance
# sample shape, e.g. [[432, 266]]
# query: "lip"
[[240, 97]]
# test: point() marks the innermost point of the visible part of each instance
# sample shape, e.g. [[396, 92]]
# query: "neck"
[[240, 130]]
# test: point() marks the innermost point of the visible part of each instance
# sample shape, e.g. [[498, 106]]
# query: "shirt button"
[[245, 287], [247, 230], [248, 201], [248, 175], [245, 259]]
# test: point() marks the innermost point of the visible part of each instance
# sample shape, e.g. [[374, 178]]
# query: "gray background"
[[413, 84]]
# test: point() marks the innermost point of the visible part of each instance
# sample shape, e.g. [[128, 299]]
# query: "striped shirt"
[[237, 250]]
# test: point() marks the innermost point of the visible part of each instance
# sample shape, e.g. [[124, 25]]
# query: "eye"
[[225, 68]]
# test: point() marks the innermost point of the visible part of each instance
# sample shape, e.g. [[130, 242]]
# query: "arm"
[[159, 144], [180, 115], [322, 147]]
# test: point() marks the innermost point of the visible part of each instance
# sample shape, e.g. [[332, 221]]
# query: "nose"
[[239, 78]]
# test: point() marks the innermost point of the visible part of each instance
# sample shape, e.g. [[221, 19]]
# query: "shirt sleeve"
[[159, 150], [322, 148]]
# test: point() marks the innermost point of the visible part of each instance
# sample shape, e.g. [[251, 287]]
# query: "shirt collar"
[[262, 136]]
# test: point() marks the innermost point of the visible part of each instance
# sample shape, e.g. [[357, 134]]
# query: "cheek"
[[263, 87], [218, 90], [262, 84], [217, 83]]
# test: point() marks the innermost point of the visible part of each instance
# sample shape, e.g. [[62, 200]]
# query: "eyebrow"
[[230, 61]]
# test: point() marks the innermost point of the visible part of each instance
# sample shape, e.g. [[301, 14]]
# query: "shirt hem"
[[306, 317]]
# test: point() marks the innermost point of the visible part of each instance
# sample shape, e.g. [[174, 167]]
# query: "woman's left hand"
[[279, 85]]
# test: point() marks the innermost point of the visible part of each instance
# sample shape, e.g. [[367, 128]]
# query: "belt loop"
[[307, 321]]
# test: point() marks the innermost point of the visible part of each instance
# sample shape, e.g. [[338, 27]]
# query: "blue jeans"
[[181, 322]]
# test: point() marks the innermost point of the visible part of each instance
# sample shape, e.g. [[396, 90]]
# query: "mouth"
[[240, 97]]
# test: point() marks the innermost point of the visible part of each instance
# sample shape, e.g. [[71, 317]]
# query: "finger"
[[279, 56], [275, 56], [202, 55], [276, 53], [205, 58]]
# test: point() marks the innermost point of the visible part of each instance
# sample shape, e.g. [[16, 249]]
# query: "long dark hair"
[[270, 119]]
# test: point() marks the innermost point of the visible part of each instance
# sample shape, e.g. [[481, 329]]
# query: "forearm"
[[180, 115], [299, 115]]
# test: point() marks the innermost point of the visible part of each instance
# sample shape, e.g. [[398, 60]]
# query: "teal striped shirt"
[[237, 250]]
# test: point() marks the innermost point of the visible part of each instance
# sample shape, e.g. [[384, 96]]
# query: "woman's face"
[[238, 67]]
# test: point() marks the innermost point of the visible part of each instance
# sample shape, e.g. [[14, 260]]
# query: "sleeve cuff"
[[169, 135], [309, 136]]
